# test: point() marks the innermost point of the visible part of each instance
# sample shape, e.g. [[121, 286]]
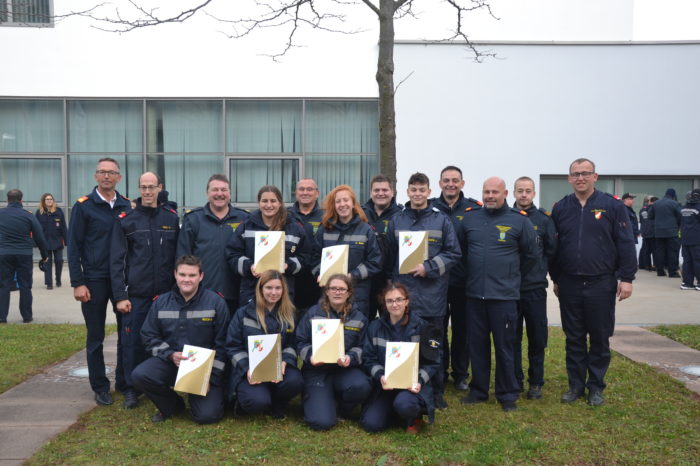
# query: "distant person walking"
[[53, 224]]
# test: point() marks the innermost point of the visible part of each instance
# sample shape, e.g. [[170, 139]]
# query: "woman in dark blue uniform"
[[388, 406], [344, 222], [343, 383], [271, 216], [270, 312], [53, 222]]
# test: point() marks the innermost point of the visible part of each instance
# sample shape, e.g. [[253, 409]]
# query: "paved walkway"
[[35, 411]]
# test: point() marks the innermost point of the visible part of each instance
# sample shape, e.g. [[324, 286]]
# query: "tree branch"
[[460, 10], [372, 6]]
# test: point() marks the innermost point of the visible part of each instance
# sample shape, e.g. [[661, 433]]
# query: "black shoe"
[[461, 385], [674, 275], [439, 401], [278, 411], [58, 284], [508, 406], [535, 392], [49, 287], [571, 396], [660, 274], [103, 398], [28, 321], [160, 417], [131, 400], [595, 398], [471, 400], [3, 321]]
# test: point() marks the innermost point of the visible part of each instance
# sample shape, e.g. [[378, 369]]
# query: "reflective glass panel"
[[330, 171], [655, 187], [185, 177], [105, 126], [81, 175], [263, 126], [31, 126], [551, 190], [249, 175], [342, 127], [184, 126], [33, 177]]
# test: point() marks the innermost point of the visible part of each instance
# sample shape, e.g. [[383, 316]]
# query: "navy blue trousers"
[[133, 351], [532, 309], [20, 264], [95, 314], [646, 252], [691, 264], [55, 257], [666, 254], [326, 386], [495, 318], [270, 397], [156, 376], [587, 307], [458, 351], [391, 407]]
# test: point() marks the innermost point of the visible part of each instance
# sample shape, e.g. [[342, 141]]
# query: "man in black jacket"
[[647, 232], [628, 201], [142, 259], [666, 214]]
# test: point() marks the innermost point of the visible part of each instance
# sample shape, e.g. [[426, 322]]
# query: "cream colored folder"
[[334, 260], [269, 251], [265, 357], [327, 340], [401, 364], [413, 249], [194, 372]]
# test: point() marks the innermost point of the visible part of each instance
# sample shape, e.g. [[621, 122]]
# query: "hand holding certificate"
[[413, 250], [269, 251], [194, 370], [401, 365], [327, 340], [265, 358], [334, 260]]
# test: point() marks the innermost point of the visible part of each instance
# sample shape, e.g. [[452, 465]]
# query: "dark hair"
[[419, 178], [280, 219], [380, 179], [188, 259], [653, 199], [14, 195], [109, 159], [218, 177], [452, 167], [325, 303], [401, 288], [582, 160]]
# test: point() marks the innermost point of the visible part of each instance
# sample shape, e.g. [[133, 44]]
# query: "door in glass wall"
[[32, 176], [248, 175]]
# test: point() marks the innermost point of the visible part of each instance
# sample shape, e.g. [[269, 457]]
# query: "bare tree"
[[293, 15]]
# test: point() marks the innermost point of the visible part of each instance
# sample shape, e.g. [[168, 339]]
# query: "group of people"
[[195, 282]]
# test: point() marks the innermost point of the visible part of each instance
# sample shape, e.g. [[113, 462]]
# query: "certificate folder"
[[334, 260], [194, 372], [413, 250], [401, 364], [327, 340], [265, 357], [269, 251]]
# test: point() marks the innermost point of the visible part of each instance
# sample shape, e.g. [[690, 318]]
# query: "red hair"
[[330, 215]]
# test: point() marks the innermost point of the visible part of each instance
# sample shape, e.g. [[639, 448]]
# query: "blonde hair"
[[285, 309], [42, 204]]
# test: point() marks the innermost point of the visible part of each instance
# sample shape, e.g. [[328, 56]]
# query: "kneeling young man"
[[189, 314]]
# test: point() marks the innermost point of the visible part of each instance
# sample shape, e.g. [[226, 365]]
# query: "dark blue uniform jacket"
[[244, 324], [54, 226], [19, 231], [634, 222], [666, 214], [90, 235], [380, 223], [499, 246], [595, 239], [311, 221], [204, 235], [536, 277], [202, 321], [142, 258], [428, 294], [381, 331], [647, 223], [690, 224], [355, 327], [240, 252], [458, 274]]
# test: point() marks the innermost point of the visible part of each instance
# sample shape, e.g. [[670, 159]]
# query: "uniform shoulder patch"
[[545, 211], [122, 215], [82, 199], [171, 210], [220, 294], [476, 201], [435, 209], [522, 212], [155, 297]]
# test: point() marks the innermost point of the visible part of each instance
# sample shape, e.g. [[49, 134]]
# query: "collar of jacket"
[[150, 211], [257, 220], [340, 226], [208, 212], [529, 210], [15, 204], [120, 200], [295, 208], [386, 321], [391, 208], [419, 212], [500, 211], [181, 300]]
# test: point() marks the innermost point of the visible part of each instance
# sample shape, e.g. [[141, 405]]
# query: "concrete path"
[[35, 411]]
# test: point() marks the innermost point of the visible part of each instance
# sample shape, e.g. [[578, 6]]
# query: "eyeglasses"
[[148, 188], [337, 289], [106, 172], [581, 174], [391, 302]]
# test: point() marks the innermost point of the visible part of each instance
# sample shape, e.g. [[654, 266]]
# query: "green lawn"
[[648, 418], [689, 335]]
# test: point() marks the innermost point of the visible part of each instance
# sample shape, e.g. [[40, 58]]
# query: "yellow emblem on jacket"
[[502, 233]]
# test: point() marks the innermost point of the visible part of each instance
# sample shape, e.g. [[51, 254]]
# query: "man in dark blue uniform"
[[666, 214], [499, 244], [142, 259], [188, 315], [305, 209], [205, 232], [19, 231], [454, 204], [628, 201], [380, 209], [647, 232], [532, 306], [427, 282], [596, 262], [690, 238], [91, 222]]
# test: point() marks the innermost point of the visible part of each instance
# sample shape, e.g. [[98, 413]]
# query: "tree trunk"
[[385, 81]]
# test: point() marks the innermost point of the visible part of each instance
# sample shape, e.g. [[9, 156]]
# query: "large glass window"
[[105, 126], [263, 126], [249, 175], [32, 176], [31, 126], [81, 178], [185, 176], [330, 171], [342, 127], [553, 188], [184, 126], [642, 187], [21, 12]]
